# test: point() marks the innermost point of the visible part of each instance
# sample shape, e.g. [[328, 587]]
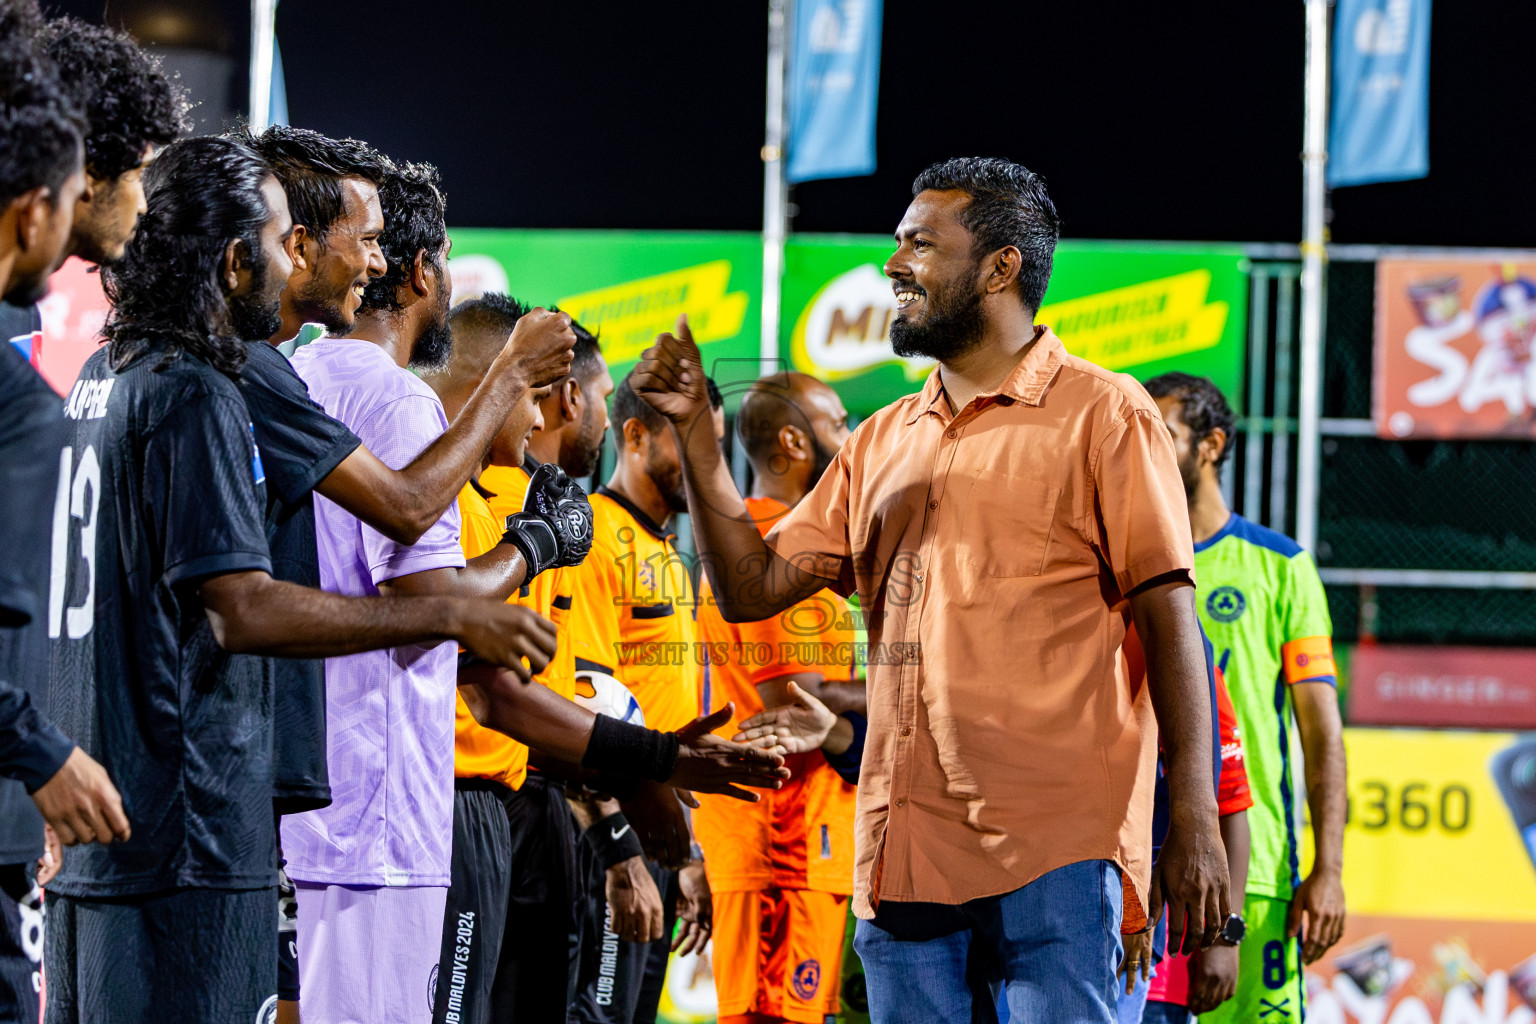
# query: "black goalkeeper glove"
[[555, 526]]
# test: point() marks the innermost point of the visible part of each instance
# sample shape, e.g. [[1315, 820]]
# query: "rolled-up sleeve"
[[1141, 512]]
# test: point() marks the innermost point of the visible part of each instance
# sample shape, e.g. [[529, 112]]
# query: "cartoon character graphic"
[[1502, 317]]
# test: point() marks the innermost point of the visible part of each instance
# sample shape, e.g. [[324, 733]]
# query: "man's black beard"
[[27, 293], [668, 481], [256, 316], [952, 327], [824, 457], [435, 345], [432, 349], [579, 458], [327, 312], [1189, 472]]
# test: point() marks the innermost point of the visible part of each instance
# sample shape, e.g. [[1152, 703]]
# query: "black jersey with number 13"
[[165, 490]]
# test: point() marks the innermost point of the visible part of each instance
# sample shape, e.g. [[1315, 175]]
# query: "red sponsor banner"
[[73, 312], [1462, 687], [1454, 346]]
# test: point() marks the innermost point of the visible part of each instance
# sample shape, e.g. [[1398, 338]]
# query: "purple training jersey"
[[389, 714]]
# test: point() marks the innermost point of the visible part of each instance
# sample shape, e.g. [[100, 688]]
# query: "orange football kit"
[[781, 870]]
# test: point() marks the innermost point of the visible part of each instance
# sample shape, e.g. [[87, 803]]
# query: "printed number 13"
[[75, 489]]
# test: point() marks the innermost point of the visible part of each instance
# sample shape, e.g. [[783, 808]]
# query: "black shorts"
[[536, 977], [620, 982], [287, 939], [198, 956], [477, 903], [21, 945]]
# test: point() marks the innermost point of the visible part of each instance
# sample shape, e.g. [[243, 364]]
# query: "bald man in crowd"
[[781, 871]]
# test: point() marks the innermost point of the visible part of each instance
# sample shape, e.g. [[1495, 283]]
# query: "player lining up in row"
[[372, 239]]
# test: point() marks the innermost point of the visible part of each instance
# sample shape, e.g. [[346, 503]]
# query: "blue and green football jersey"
[[1262, 604]]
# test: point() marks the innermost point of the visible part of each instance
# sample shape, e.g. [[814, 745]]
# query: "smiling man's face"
[[331, 289], [935, 276]]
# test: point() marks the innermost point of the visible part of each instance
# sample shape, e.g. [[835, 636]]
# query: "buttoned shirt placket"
[[945, 447]]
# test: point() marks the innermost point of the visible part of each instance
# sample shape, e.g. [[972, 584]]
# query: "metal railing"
[[1415, 538]]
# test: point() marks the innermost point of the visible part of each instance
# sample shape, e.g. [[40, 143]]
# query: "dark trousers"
[[21, 945], [474, 917], [621, 982], [536, 973], [187, 956]]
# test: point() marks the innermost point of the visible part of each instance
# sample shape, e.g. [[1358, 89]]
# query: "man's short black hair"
[[587, 354], [40, 128], [1202, 405], [494, 311], [1009, 206], [311, 166], [128, 100], [629, 406], [499, 312], [415, 218]]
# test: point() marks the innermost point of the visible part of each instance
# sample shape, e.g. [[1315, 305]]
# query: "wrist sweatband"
[[613, 841], [619, 748], [535, 538]]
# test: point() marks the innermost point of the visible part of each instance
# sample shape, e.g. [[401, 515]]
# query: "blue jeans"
[[1132, 1007], [1165, 1013], [1049, 950]]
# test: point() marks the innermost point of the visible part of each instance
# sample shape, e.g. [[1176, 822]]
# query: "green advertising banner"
[[1142, 308], [1139, 308], [628, 286]]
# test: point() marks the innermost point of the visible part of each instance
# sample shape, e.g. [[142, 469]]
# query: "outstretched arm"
[[493, 575], [403, 504], [799, 724], [837, 696], [251, 613], [553, 529], [749, 580]]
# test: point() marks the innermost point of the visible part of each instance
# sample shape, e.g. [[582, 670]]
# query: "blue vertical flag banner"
[[834, 82], [1380, 129]]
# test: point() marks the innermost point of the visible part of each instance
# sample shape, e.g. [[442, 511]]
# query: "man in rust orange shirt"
[[1002, 528], [781, 870]]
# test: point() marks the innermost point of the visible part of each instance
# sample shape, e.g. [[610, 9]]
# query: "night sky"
[[1149, 121]]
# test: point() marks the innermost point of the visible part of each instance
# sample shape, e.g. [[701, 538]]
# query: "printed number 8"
[[1274, 964]]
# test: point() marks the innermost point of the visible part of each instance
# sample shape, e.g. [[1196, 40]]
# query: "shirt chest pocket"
[[1006, 525]]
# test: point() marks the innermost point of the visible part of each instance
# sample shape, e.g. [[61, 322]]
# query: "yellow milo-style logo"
[[845, 329], [630, 315]]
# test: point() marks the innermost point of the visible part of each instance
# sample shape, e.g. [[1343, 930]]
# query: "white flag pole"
[[263, 29], [1314, 265], [775, 189]]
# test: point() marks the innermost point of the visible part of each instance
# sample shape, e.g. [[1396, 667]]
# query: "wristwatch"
[[1233, 930]]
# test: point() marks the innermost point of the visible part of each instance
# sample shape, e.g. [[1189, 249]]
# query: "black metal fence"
[[1436, 506]]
